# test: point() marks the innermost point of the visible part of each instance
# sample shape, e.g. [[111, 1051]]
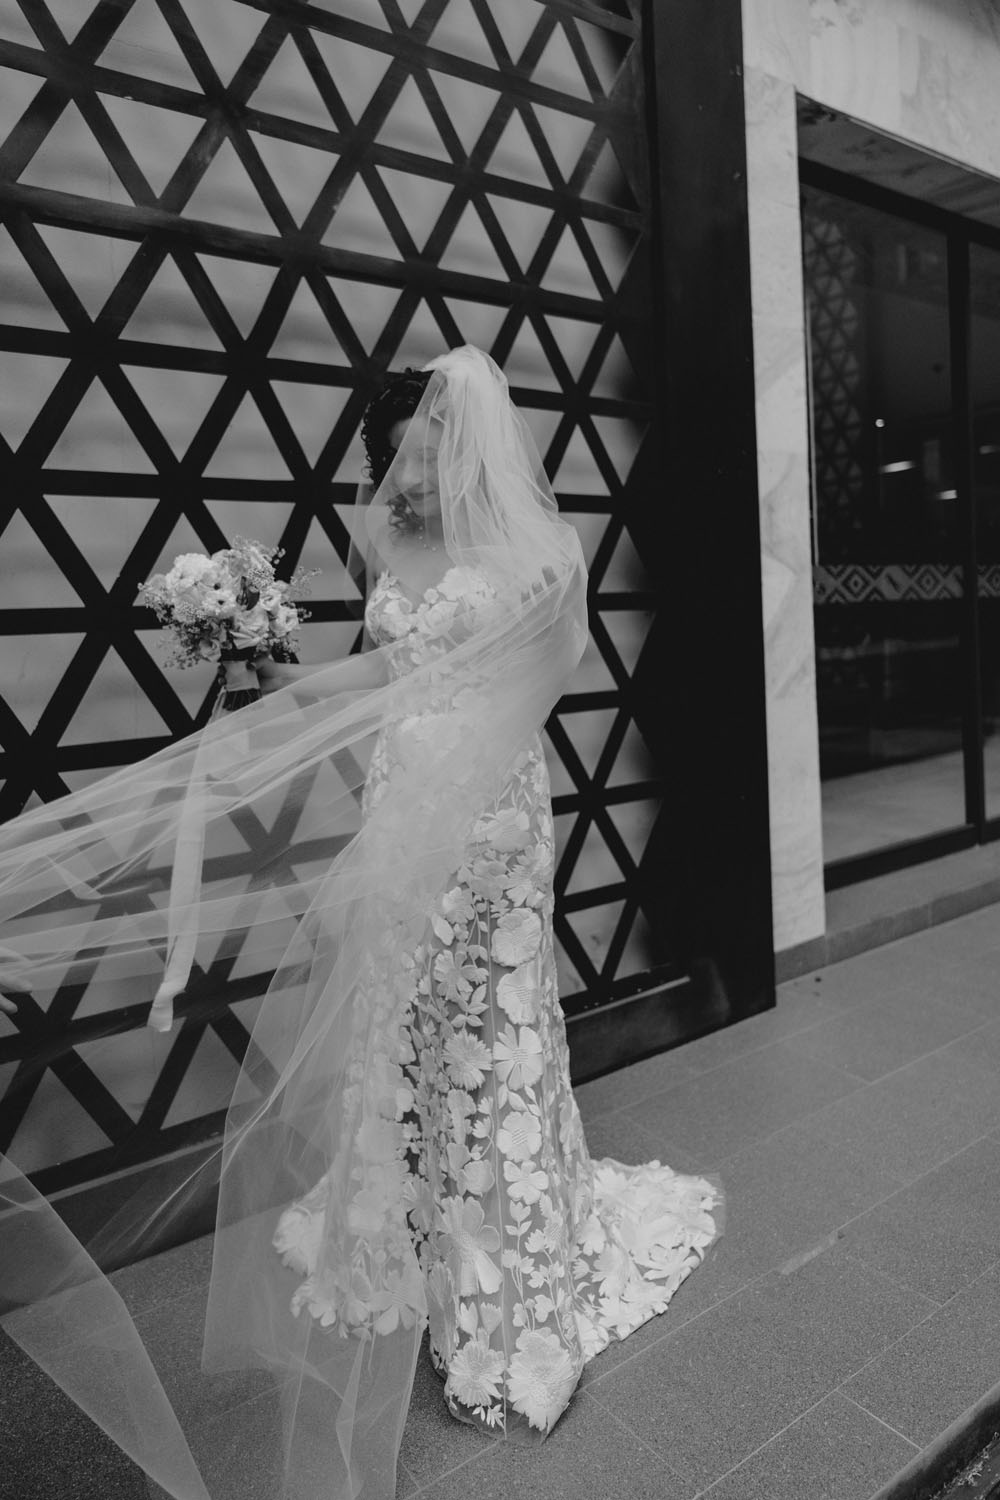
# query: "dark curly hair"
[[397, 399]]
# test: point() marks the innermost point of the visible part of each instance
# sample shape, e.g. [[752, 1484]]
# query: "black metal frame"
[[709, 454], [710, 915], [960, 233]]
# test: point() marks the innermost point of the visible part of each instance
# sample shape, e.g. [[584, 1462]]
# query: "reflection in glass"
[[984, 289], [887, 539]]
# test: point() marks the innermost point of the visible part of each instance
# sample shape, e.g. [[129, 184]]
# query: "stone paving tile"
[[588, 1456], [794, 1013], [864, 978], [981, 1046], [787, 1192], [406, 1485], [239, 1452], [867, 979], [622, 1137], [734, 1378], [920, 1115], [834, 1452], [173, 1334], [742, 1101], [433, 1441], [728, 1268], [973, 981], [967, 937], [161, 1278], [49, 1449], [240, 1456], [971, 939], [870, 1041], [615, 1090], [939, 1369], [941, 1232]]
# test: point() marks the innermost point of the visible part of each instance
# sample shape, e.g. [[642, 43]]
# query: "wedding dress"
[[370, 851], [533, 1256]]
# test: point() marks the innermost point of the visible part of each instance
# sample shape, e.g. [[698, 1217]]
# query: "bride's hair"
[[397, 399]]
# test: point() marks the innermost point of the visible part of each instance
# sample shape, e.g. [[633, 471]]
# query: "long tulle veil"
[[281, 871]]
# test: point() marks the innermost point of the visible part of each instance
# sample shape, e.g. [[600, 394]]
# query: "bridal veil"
[[242, 851]]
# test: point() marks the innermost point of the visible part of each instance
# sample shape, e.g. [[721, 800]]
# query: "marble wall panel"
[[783, 479]]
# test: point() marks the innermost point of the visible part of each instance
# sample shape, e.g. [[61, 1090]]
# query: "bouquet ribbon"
[[240, 683]]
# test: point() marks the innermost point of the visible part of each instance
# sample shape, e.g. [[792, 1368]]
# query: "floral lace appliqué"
[[532, 1255]]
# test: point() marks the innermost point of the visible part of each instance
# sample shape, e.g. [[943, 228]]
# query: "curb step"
[[980, 1480]]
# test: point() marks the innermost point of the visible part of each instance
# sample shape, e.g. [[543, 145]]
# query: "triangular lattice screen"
[[220, 221]]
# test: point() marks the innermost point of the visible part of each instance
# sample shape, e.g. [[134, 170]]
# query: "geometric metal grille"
[[891, 583], [220, 223], [898, 583], [831, 265]]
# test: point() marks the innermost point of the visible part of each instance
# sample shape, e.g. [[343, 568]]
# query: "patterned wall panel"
[[830, 264], [220, 222]]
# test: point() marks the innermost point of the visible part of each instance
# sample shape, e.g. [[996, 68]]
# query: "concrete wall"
[[924, 71]]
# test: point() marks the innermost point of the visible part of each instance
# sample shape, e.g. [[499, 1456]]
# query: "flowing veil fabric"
[[250, 849]]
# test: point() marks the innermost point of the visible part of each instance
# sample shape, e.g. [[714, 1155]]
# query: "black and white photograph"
[[500, 750]]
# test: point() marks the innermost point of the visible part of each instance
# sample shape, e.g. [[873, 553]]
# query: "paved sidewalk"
[[849, 1315]]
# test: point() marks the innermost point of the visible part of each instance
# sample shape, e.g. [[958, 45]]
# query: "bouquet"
[[229, 608]]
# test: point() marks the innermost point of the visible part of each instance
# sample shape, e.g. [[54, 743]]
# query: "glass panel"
[[984, 270], [887, 537]]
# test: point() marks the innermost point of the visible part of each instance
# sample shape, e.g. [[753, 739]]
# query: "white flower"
[[467, 1059], [516, 938], [298, 1238], [367, 1212], [475, 1373], [487, 878], [518, 994], [284, 619], [400, 1301], [437, 620], [395, 618], [463, 1223], [518, 1058], [250, 627], [505, 831], [530, 877], [520, 1135], [613, 1187], [541, 1378], [457, 906], [477, 1177], [418, 1201], [592, 1236], [378, 1139], [523, 1181], [222, 601], [190, 568], [460, 583]]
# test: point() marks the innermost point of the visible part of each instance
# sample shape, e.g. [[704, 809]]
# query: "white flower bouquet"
[[229, 608]]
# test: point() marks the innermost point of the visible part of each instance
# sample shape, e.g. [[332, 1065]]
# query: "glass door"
[[889, 533], [984, 391]]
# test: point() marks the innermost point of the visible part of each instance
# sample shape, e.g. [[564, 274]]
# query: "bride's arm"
[[353, 674]]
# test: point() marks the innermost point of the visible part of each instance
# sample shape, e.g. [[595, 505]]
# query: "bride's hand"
[[268, 672]]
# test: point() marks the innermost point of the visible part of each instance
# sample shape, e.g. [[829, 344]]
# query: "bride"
[[403, 1150]]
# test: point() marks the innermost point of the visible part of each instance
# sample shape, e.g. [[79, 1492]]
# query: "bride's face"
[[415, 466]]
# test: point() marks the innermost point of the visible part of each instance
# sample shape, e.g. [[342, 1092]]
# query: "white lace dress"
[[533, 1255]]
